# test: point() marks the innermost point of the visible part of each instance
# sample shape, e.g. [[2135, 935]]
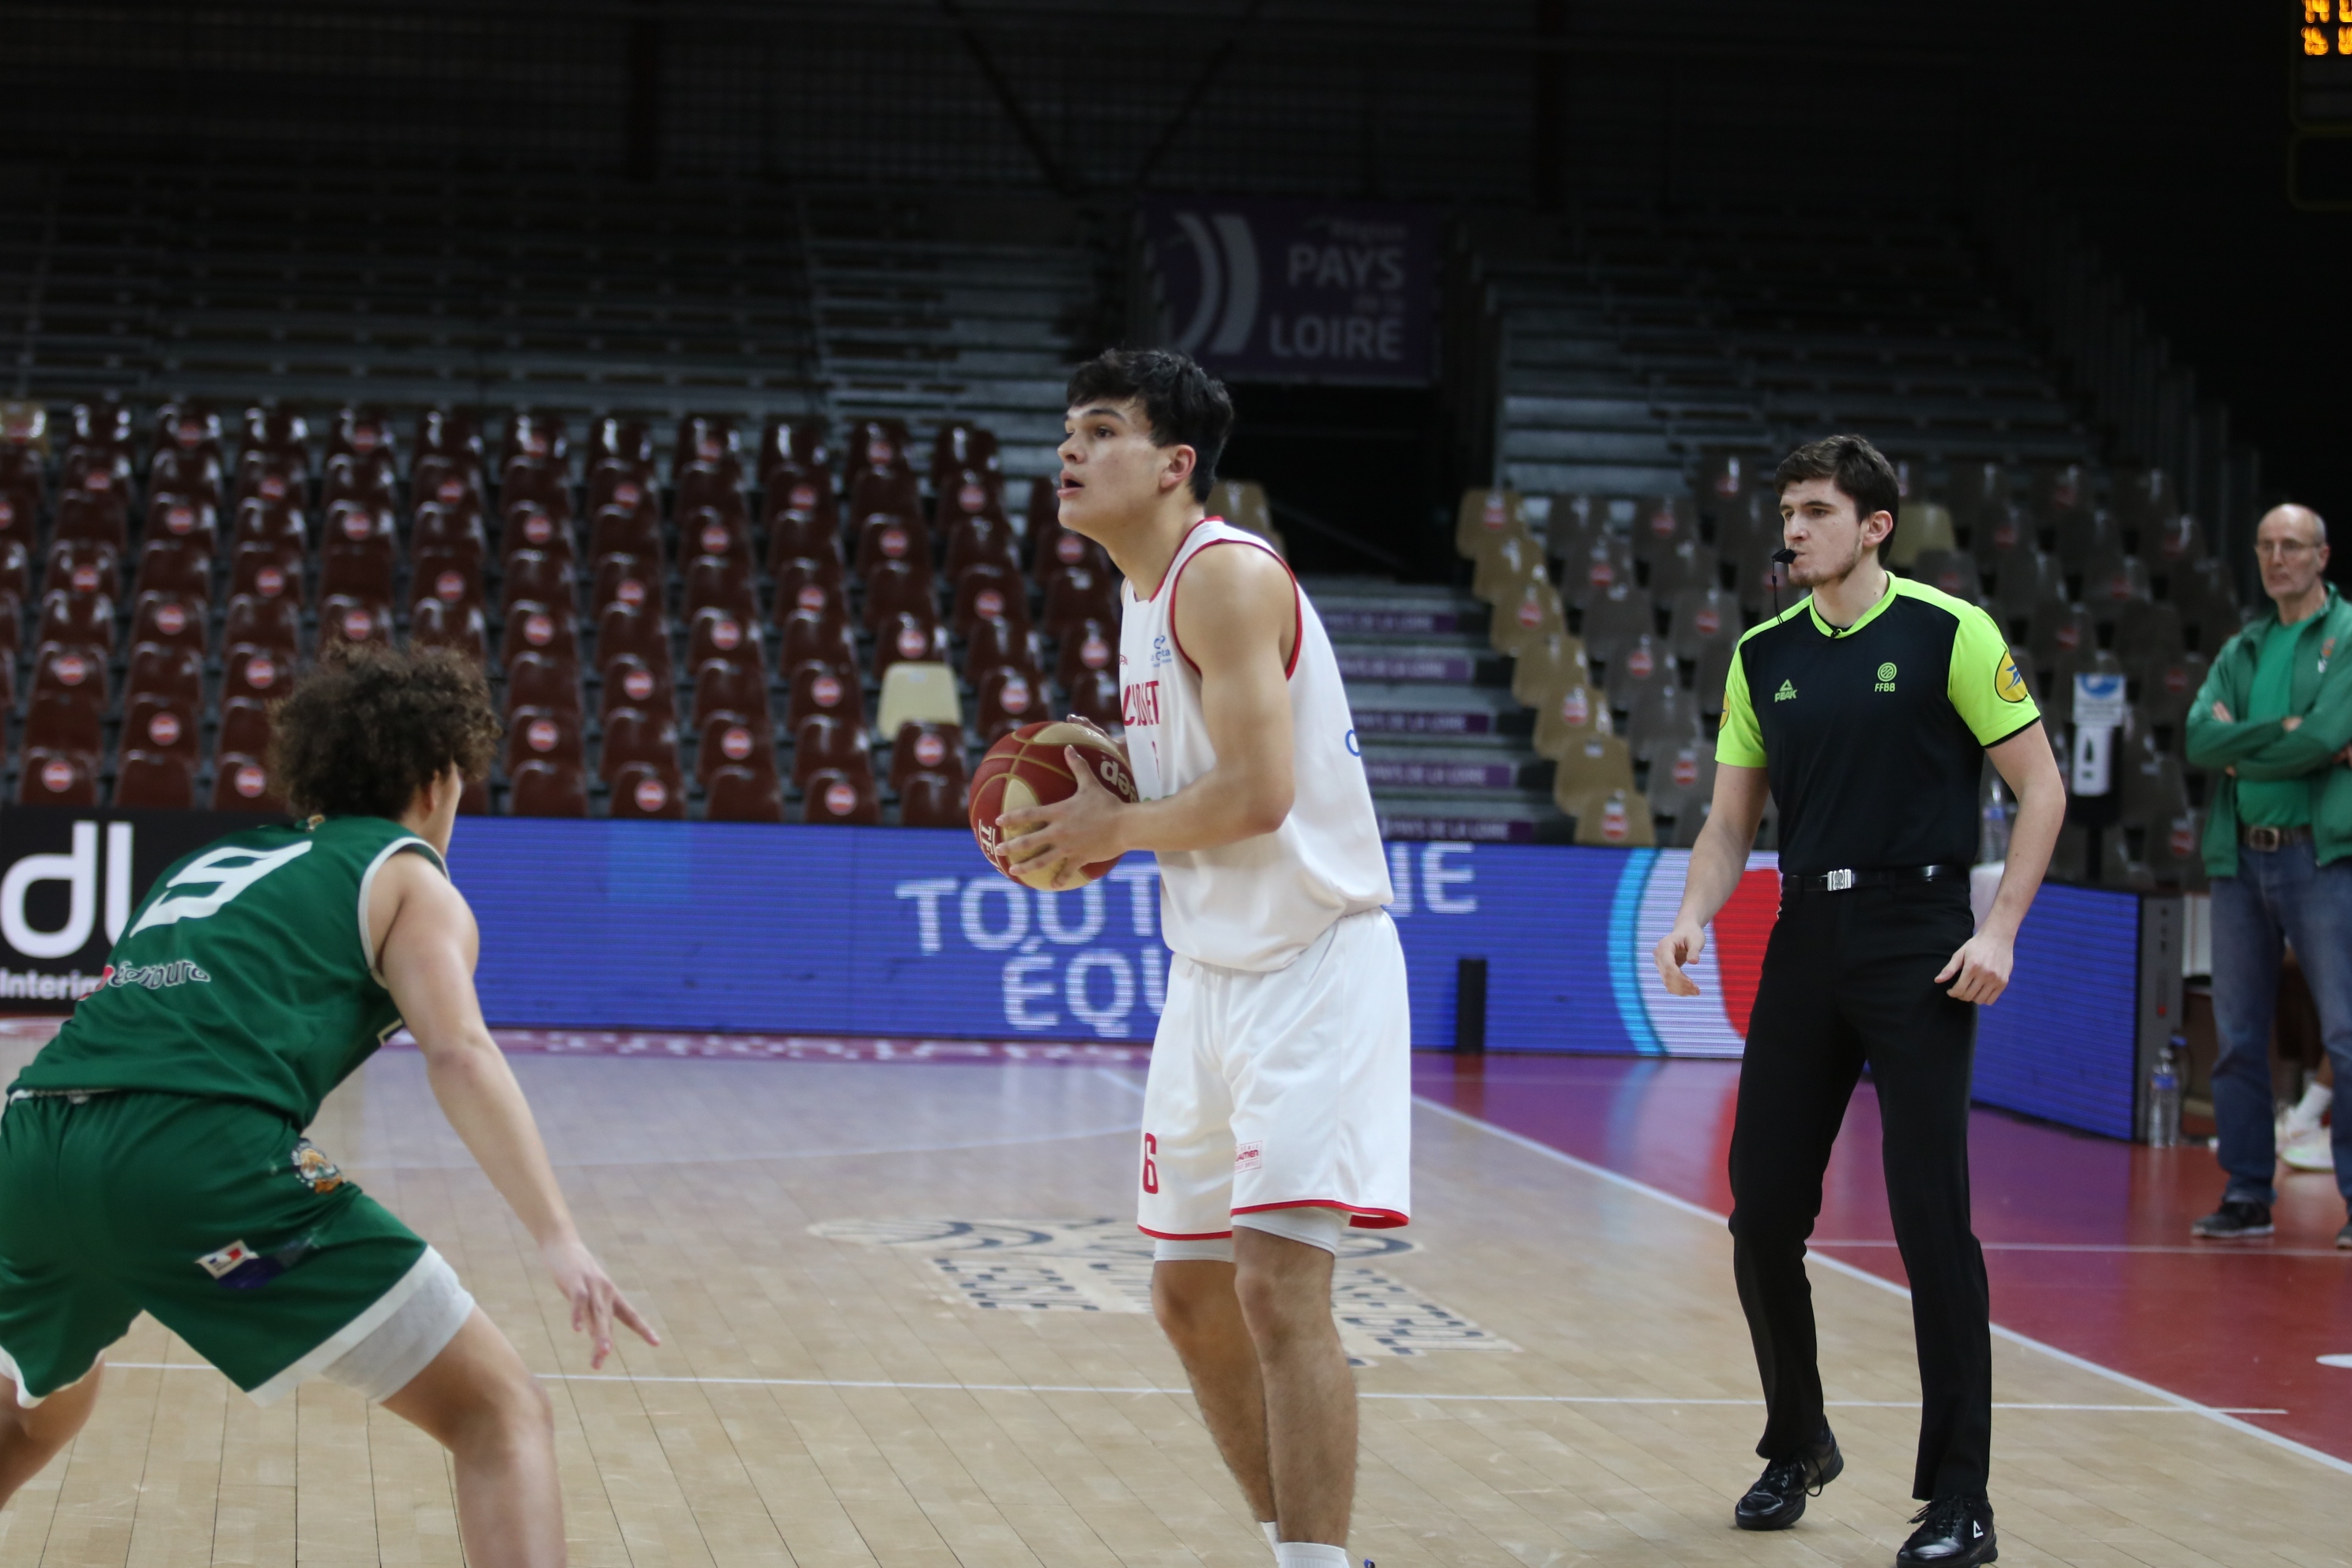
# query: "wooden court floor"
[[900, 1301]]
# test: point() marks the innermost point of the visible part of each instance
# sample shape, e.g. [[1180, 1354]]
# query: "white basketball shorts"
[[1290, 1088]]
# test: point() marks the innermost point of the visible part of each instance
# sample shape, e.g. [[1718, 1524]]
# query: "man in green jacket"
[[2273, 723]]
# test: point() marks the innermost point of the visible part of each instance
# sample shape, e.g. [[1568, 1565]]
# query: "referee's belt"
[[1848, 879]]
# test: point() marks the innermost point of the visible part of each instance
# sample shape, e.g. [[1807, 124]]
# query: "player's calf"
[[477, 1400], [31, 1438]]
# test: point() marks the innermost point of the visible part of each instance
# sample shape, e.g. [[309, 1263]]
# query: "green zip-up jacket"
[[2321, 693]]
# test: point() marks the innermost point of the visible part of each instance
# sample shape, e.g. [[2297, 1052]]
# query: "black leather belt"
[[1871, 877], [2267, 838]]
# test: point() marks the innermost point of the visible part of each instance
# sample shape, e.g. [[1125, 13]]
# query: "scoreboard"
[[2319, 103]]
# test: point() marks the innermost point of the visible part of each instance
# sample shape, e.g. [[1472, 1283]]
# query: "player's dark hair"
[[1860, 471], [371, 726], [1184, 405]]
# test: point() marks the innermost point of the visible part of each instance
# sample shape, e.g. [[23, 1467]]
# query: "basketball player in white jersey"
[[1279, 1108]]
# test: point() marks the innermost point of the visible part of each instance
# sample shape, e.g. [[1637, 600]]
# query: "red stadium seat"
[[999, 645], [257, 622], [716, 634], [1065, 550], [649, 790], [1009, 698], [842, 798], [926, 748], [960, 447], [872, 491], [533, 478], [20, 512], [82, 566], [623, 627], [457, 530], [73, 620], [535, 680], [172, 619], [1094, 696], [161, 722], [542, 734], [986, 592], [357, 575], [724, 686], [538, 577], [451, 483], [635, 735], [1088, 645], [57, 778], [67, 718], [718, 487], [731, 740], [476, 800], [721, 583], [267, 569], [184, 522], [629, 681], [894, 586], [244, 728], [537, 627], [58, 668], [743, 794], [275, 479], [806, 584], [615, 529], [162, 781], [888, 537], [448, 575], [444, 434], [621, 441], [815, 535], [15, 572], [965, 495], [934, 800], [542, 787], [165, 566], [268, 522], [820, 688], [827, 741], [792, 440], [240, 783], [706, 439], [249, 671], [908, 636], [536, 529], [349, 618], [1079, 594], [714, 530], [619, 480], [621, 578], [983, 541], [90, 518], [349, 477], [364, 432], [434, 624], [173, 672]]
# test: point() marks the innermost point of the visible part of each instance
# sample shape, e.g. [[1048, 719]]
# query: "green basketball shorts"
[[218, 1217]]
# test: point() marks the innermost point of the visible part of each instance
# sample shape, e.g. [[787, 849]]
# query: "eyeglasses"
[[2281, 547]]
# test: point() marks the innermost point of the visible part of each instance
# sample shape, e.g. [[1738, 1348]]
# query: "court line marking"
[[1615, 1178], [2210, 1249], [1182, 1393]]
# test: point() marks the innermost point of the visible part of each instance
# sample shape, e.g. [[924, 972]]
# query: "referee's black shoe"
[[1777, 1501], [1954, 1532]]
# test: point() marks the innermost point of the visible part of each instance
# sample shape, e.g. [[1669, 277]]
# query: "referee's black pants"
[[1849, 978]]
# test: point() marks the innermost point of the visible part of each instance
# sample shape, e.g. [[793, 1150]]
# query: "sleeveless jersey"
[[245, 975], [1259, 903]]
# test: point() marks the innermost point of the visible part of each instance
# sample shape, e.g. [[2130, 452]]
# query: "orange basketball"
[[1027, 768]]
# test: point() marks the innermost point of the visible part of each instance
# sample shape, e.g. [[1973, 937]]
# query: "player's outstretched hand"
[[1678, 947], [1982, 965], [1078, 831], [595, 1299]]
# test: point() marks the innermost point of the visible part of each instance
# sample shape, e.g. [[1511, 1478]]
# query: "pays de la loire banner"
[[1279, 289]]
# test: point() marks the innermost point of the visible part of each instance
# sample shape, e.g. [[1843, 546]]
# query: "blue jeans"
[[2277, 893]]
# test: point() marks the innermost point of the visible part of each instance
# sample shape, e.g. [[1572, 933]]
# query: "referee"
[[1866, 711]]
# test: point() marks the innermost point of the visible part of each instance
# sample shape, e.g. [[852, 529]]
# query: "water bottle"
[[2164, 1095], [1992, 839]]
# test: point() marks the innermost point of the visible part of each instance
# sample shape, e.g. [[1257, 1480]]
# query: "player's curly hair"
[[368, 728]]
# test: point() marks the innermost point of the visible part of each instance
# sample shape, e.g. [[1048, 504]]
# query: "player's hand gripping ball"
[[1031, 767]]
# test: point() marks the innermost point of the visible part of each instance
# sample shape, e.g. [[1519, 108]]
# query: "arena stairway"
[[1445, 744]]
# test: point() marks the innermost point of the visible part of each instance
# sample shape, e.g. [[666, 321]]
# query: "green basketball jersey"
[[245, 975]]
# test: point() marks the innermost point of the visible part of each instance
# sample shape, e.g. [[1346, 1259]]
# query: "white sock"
[[2305, 1116], [1273, 1534], [1309, 1555]]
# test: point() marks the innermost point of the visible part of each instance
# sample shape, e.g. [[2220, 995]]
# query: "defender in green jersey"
[[152, 1157]]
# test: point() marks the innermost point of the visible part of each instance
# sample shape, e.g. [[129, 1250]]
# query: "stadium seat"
[[264, 521], [245, 727], [176, 519], [821, 741], [1595, 762], [1606, 565], [743, 794], [16, 570], [240, 783], [446, 574], [2024, 579], [432, 623], [1663, 717], [250, 671], [817, 634], [1008, 698], [542, 787], [536, 680], [1547, 667], [999, 645], [1616, 818], [256, 621], [1949, 571], [649, 790], [531, 481], [895, 587], [91, 519], [2116, 581], [620, 578], [1689, 565], [2056, 628], [364, 432], [730, 739], [1612, 620], [1698, 619], [349, 479], [48, 777], [614, 530], [986, 539], [67, 718], [925, 746], [1088, 645], [626, 443], [1662, 525], [1484, 519], [987, 591], [909, 636], [165, 566], [453, 484], [542, 734], [1682, 782], [960, 447], [1042, 515], [536, 577], [161, 722], [717, 634], [887, 537], [1500, 572], [721, 583], [267, 569], [1641, 664], [919, 693], [537, 528], [714, 530], [163, 781], [706, 439], [457, 530], [1527, 616], [547, 629], [2147, 633], [1094, 696], [2080, 535], [1079, 594], [173, 672], [1996, 529], [628, 681], [795, 536], [819, 688], [74, 620], [872, 492], [934, 800], [635, 735], [796, 438], [169, 618], [82, 566], [844, 798], [350, 618], [709, 492], [2167, 688], [733, 687]]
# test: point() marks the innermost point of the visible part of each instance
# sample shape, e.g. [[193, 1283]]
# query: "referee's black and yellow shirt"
[[1873, 736]]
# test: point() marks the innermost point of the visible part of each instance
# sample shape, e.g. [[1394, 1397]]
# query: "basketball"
[[1027, 768]]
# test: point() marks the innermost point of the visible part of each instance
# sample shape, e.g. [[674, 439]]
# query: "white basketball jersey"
[[1259, 903]]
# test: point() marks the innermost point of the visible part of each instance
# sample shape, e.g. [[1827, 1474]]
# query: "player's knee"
[[1279, 1303], [1185, 1302]]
